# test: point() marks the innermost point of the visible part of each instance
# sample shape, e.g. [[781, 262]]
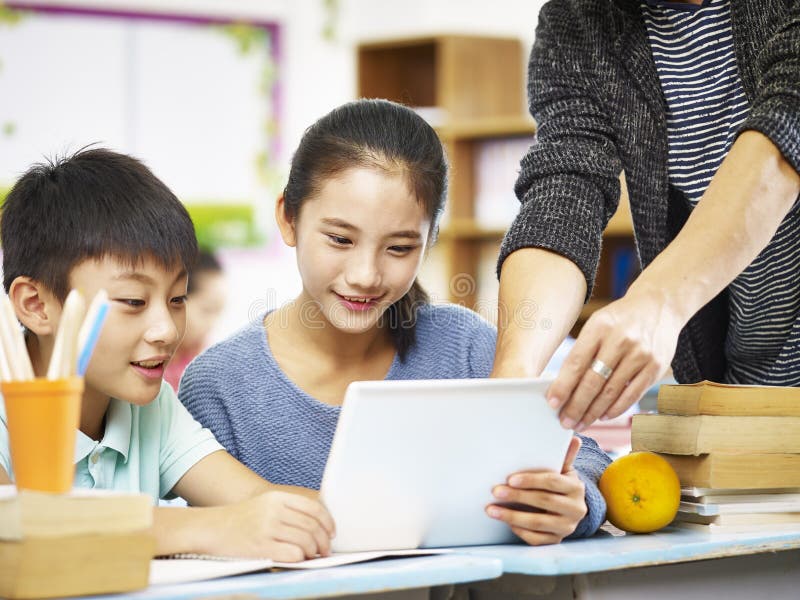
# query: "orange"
[[642, 492]]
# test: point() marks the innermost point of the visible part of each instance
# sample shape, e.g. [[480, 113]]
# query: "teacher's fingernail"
[[553, 402], [567, 423]]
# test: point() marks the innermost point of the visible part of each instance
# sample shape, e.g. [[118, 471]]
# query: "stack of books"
[[84, 542], [736, 450], [496, 168]]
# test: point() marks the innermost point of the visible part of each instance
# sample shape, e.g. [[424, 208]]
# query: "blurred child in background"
[[205, 303]]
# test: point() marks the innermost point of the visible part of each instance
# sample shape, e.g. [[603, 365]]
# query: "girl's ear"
[[36, 307], [285, 224]]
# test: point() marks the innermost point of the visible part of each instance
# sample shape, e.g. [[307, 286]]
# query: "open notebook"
[[186, 568]]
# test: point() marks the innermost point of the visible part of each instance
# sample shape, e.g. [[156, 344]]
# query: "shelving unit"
[[471, 89]]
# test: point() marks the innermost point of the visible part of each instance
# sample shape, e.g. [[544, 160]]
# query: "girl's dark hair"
[[375, 134]]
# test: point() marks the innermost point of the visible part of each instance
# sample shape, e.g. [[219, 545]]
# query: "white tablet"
[[413, 463]]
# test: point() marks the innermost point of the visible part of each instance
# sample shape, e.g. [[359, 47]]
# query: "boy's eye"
[[401, 249], [338, 240], [179, 300], [132, 302]]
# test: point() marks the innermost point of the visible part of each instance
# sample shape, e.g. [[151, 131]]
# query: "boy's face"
[[145, 323]]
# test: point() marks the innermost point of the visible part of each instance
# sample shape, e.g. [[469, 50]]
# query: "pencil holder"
[[43, 417]]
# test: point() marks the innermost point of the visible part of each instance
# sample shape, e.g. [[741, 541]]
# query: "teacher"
[[698, 102]]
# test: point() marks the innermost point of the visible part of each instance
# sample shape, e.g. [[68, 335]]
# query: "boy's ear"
[[285, 224], [36, 307]]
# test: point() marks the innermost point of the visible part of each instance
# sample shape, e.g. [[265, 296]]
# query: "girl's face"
[[360, 242]]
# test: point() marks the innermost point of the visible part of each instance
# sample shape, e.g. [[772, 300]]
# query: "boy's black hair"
[[93, 204], [382, 135]]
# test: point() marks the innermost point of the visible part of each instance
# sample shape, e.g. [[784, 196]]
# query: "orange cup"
[[43, 417]]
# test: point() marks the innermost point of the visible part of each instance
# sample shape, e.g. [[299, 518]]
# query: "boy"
[[102, 220]]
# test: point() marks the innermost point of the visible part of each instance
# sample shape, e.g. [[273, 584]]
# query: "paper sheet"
[[346, 558], [164, 571], [186, 568]]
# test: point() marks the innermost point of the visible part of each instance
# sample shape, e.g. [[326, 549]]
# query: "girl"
[[366, 190]]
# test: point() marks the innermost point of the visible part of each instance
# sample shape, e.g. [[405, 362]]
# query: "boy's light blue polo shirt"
[[144, 449]]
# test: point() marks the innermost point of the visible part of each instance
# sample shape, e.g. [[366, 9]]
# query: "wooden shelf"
[[393, 44], [487, 127], [621, 224], [591, 306], [469, 230], [473, 90]]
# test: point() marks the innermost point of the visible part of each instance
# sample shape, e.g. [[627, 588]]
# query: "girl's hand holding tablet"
[[542, 507]]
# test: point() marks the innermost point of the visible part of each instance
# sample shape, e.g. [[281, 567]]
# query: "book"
[[740, 519], [83, 511], [611, 437], [625, 268], [48, 567], [709, 398], [733, 529], [496, 168], [742, 471], [712, 495], [710, 509], [702, 434]]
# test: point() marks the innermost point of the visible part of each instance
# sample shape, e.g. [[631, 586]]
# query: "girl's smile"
[[359, 303]]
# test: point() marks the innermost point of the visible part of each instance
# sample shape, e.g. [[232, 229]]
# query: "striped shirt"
[[692, 47]]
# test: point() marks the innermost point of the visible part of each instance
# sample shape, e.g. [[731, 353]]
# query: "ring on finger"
[[601, 368]]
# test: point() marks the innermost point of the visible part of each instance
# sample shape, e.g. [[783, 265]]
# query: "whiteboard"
[[178, 95]]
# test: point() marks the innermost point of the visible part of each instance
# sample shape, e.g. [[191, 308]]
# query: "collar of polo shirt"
[[117, 435]]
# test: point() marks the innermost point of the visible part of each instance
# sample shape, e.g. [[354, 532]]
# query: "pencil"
[[5, 368], [62, 360], [17, 354], [90, 330]]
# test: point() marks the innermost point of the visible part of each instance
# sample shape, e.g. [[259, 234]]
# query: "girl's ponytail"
[[402, 319]]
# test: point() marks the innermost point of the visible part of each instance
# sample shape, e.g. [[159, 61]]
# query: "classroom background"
[[214, 96]]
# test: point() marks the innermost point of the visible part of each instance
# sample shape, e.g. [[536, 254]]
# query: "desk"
[[672, 563], [385, 576]]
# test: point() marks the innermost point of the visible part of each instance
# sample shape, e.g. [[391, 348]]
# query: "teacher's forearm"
[[541, 295], [736, 218]]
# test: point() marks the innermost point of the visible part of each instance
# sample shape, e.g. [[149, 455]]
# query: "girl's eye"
[[401, 249], [338, 240], [179, 300]]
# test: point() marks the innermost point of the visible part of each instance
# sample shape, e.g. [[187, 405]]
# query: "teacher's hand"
[[622, 350]]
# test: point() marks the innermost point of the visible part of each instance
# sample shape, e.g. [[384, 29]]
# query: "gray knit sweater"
[[238, 390], [595, 93]]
